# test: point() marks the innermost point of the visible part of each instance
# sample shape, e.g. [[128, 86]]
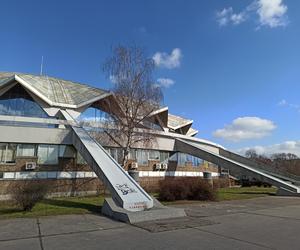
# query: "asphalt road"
[[262, 223]]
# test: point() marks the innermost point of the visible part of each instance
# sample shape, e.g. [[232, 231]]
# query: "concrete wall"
[[17, 134]]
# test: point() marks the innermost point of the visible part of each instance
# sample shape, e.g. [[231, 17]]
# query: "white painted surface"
[[174, 174], [47, 175], [88, 174]]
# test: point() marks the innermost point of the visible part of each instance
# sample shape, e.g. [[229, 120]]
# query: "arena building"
[[43, 137]]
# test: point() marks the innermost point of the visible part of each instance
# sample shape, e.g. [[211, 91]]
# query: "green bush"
[[186, 188], [26, 194]]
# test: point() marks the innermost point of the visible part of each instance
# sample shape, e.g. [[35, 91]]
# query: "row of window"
[[46, 153], [140, 155], [143, 156], [49, 154], [183, 159]]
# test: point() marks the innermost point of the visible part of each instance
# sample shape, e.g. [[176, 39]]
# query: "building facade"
[[36, 143]]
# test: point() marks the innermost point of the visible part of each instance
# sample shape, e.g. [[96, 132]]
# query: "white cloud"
[[226, 16], [165, 82], [238, 18], [270, 13], [284, 103], [168, 61], [244, 128], [292, 147]]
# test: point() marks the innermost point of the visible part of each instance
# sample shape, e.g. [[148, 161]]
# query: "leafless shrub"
[[26, 194], [189, 188]]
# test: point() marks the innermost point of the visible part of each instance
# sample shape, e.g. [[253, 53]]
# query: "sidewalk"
[[262, 223]]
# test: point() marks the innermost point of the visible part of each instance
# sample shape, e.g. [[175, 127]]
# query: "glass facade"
[[26, 150], [154, 155], [79, 159], [185, 159], [17, 102], [142, 157], [7, 152], [67, 151], [48, 154]]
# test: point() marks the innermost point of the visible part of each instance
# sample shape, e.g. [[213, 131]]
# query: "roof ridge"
[[53, 77]]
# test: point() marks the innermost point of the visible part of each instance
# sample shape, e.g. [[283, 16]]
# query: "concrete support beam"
[[236, 168]]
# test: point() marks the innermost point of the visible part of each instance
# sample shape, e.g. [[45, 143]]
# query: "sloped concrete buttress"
[[236, 168]]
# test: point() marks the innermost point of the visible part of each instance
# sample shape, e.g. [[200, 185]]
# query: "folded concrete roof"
[[56, 92], [69, 94], [175, 122]]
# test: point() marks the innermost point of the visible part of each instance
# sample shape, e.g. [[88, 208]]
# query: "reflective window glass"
[[26, 150], [48, 154], [18, 102]]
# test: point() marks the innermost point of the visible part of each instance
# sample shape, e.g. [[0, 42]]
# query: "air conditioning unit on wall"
[[134, 165], [30, 166], [164, 166], [158, 166]]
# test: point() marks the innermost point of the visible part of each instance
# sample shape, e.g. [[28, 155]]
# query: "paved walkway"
[[262, 223]]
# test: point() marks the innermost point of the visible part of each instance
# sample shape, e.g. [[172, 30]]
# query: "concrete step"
[[158, 212]]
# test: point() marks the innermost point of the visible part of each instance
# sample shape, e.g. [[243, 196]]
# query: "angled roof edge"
[[187, 123], [158, 111], [47, 100], [7, 81], [192, 132]]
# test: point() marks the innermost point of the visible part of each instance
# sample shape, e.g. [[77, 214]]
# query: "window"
[[66, 151], [173, 156], [181, 159], [154, 155], [132, 154], [197, 162], [80, 159], [117, 154], [152, 125], [142, 157], [7, 152], [2, 152], [17, 101], [48, 154], [26, 150], [114, 153], [164, 156]]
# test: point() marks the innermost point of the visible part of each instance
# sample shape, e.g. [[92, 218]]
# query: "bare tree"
[[137, 96], [283, 156], [251, 153]]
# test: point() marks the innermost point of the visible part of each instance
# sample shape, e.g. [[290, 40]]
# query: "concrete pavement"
[[262, 223]]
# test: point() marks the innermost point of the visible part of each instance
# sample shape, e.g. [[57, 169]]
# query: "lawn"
[[84, 205], [233, 193], [240, 193], [55, 206]]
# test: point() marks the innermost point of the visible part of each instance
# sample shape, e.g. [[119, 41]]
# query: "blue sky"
[[231, 66]]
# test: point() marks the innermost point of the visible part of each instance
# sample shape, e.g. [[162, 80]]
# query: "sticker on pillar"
[[125, 189]]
